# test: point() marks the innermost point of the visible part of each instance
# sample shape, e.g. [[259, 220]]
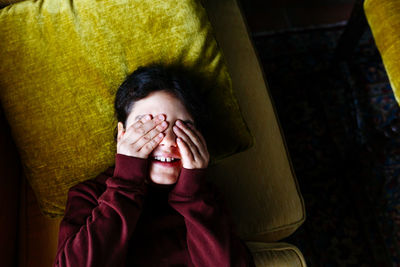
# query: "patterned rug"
[[341, 123]]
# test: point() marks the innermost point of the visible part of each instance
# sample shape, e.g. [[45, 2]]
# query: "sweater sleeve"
[[97, 225], [210, 236]]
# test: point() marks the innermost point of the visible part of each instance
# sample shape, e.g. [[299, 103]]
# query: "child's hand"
[[192, 146], [140, 139]]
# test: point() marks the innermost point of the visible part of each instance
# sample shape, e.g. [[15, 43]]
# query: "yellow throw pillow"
[[384, 21], [61, 63]]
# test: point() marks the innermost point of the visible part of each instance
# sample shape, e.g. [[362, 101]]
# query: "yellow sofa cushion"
[[62, 62], [384, 21]]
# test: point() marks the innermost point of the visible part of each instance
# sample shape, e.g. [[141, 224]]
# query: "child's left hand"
[[192, 146]]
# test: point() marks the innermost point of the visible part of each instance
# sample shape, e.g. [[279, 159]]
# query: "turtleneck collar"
[[160, 187], [158, 193]]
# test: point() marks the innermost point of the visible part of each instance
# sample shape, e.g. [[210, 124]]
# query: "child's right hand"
[[140, 139]]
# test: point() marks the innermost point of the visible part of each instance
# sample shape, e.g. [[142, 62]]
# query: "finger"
[[184, 150], [193, 148], [192, 135], [150, 135], [135, 126], [141, 121], [203, 140], [203, 149], [149, 125], [151, 145], [142, 127]]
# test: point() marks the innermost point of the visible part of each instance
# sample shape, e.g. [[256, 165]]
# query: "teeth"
[[164, 159]]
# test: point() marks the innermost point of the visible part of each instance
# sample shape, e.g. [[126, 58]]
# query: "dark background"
[[273, 15], [340, 121]]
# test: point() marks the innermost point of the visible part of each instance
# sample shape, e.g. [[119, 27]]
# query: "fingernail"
[[164, 123], [161, 117], [147, 117]]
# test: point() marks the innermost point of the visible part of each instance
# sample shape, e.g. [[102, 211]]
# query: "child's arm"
[[211, 239], [98, 225]]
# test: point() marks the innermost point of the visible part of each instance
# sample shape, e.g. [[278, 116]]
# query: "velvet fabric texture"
[[62, 62], [384, 21]]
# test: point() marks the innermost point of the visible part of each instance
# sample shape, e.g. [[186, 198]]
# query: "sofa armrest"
[[276, 254], [259, 184]]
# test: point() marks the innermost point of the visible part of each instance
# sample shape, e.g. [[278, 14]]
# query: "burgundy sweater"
[[116, 219]]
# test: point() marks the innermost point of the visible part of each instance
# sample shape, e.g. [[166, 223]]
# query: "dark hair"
[[182, 83]]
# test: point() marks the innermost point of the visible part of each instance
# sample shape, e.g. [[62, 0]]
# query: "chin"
[[163, 179], [161, 175]]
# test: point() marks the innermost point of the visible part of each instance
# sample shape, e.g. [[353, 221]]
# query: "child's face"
[[167, 104]]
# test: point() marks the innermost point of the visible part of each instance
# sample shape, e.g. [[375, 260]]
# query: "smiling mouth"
[[168, 160], [173, 162]]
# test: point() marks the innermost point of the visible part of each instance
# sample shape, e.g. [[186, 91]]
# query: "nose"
[[169, 137]]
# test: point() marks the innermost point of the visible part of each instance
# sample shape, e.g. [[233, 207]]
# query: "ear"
[[121, 130]]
